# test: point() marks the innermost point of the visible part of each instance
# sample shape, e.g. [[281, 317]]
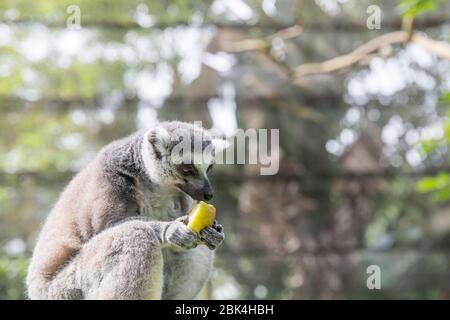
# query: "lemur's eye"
[[209, 168], [187, 169]]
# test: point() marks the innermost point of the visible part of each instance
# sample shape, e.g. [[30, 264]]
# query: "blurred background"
[[362, 110]]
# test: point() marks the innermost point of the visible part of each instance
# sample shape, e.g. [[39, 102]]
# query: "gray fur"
[[118, 230]]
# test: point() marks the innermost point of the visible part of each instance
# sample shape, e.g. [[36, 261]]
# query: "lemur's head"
[[181, 154]]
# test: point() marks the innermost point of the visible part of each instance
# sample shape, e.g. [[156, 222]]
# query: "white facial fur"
[[220, 145], [152, 168], [161, 138]]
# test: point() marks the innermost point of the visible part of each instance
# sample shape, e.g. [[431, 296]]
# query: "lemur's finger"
[[211, 246], [211, 237], [217, 226], [183, 219], [178, 233], [211, 233]]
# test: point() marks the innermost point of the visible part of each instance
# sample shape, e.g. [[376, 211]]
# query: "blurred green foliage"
[[439, 185], [65, 94], [12, 275], [24, 149]]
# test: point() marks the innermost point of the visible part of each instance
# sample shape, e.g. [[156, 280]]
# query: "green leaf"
[[442, 195], [445, 98], [428, 146], [440, 182], [413, 8], [426, 185]]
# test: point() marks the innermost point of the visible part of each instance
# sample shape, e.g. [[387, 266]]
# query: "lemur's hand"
[[213, 236], [178, 233]]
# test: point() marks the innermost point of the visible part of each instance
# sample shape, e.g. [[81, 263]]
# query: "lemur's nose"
[[208, 196]]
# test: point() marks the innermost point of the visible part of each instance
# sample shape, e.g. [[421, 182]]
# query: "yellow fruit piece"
[[201, 215]]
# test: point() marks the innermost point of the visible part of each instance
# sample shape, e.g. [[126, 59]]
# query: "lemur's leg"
[[186, 272], [122, 262]]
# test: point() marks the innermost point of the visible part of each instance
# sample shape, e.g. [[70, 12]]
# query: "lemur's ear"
[[159, 138], [220, 144], [218, 140]]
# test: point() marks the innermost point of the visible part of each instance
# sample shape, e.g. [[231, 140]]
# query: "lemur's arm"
[[169, 232]]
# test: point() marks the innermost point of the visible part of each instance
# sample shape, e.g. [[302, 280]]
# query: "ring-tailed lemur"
[[118, 230]]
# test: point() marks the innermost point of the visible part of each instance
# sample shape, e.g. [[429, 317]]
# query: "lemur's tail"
[[61, 285], [37, 286]]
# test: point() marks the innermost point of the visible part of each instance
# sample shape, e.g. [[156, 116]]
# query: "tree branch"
[[438, 48], [351, 58], [262, 44]]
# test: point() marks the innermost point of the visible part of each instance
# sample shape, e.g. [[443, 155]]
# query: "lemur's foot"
[[213, 236], [179, 234]]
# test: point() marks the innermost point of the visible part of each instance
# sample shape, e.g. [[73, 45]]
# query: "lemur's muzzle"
[[206, 194], [200, 191]]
